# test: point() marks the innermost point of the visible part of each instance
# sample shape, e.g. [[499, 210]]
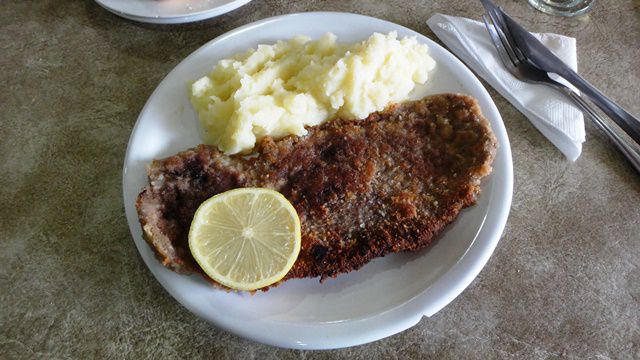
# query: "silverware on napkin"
[[522, 69], [541, 57]]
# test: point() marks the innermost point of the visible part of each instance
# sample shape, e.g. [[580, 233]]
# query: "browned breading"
[[362, 188]]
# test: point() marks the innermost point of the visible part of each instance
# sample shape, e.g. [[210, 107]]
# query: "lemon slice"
[[246, 238]]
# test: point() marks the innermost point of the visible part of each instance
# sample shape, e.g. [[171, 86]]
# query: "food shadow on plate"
[[385, 282], [391, 263]]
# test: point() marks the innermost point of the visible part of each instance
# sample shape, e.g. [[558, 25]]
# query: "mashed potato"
[[279, 89]]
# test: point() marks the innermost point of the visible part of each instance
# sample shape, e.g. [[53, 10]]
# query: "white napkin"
[[548, 110]]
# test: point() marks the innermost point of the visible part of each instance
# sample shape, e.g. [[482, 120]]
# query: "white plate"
[[170, 11], [386, 296]]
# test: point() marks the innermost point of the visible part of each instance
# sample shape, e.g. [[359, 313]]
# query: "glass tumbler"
[[563, 7]]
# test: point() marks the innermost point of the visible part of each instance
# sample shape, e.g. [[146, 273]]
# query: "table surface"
[[564, 280]]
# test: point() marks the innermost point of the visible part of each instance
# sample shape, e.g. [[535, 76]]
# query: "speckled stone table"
[[564, 282]]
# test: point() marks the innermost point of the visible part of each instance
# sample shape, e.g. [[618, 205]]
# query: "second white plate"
[[386, 296], [170, 11]]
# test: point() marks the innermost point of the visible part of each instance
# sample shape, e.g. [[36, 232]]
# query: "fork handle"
[[629, 123], [628, 148]]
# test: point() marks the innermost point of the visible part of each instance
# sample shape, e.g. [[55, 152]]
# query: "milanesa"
[[362, 188]]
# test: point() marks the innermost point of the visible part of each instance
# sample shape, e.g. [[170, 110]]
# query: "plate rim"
[[404, 315], [177, 19]]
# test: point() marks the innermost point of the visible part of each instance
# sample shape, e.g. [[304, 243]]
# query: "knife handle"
[[629, 149], [629, 123]]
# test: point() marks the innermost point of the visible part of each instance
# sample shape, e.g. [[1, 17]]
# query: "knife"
[[544, 59]]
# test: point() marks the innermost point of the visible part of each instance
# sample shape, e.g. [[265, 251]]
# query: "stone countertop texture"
[[564, 281]]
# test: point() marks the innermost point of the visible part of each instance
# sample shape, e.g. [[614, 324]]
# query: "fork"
[[523, 70]]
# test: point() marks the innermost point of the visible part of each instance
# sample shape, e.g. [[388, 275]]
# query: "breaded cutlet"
[[362, 188]]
